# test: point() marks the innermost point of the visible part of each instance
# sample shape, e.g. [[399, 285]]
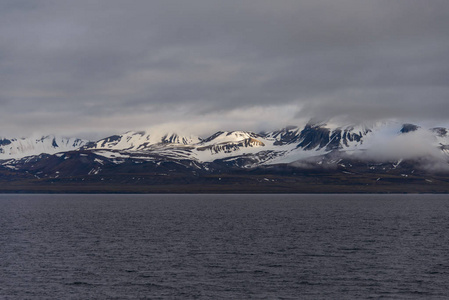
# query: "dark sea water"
[[224, 246]]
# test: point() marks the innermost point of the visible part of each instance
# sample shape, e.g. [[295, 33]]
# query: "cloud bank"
[[421, 146]]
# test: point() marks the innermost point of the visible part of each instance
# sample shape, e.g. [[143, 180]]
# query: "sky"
[[92, 68]]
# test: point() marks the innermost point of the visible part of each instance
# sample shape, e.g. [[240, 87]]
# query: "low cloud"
[[420, 146], [420, 143]]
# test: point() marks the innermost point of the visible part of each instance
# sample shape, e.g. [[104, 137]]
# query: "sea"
[[224, 246]]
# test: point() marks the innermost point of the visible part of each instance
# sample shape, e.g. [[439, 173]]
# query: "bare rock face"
[[409, 128]]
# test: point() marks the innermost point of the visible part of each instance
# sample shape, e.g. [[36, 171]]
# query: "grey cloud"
[[91, 60]]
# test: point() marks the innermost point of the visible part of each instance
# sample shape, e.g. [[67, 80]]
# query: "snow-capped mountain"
[[224, 144], [141, 141], [349, 158], [283, 145], [21, 147], [248, 149], [319, 136]]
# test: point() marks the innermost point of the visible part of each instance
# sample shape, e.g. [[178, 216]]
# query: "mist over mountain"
[[50, 144], [382, 150], [386, 140]]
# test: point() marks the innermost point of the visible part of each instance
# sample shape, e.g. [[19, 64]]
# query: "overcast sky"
[[71, 67]]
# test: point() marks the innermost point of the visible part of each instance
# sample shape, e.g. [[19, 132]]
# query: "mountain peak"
[[141, 140], [50, 144], [409, 128]]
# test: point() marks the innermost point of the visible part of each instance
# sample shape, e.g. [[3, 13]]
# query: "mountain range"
[[316, 157]]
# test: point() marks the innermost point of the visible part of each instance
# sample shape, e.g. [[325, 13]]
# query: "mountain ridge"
[[314, 154], [317, 137]]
